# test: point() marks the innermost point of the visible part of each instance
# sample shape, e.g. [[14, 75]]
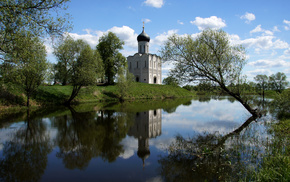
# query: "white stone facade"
[[146, 68]]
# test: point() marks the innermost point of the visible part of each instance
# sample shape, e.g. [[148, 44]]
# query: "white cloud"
[[130, 146], [265, 42], [126, 34], [131, 8], [279, 44], [264, 63], [160, 39], [268, 32], [48, 46], [262, 42], [211, 22], [146, 20], [287, 52], [273, 53], [259, 29], [287, 26], [180, 22], [256, 72], [154, 3], [275, 29], [91, 39], [248, 17]]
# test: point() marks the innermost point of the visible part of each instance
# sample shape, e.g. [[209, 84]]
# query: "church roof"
[[143, 36]]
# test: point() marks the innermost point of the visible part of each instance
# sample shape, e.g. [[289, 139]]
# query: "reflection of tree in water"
[[25, 157], [83, 136], [212, 157]]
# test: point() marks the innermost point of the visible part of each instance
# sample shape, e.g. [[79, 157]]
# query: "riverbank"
[[276, 159], [56, 95]]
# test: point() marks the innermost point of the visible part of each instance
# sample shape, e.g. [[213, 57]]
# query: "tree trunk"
[[74, 93], [28, 98], [254, 112]]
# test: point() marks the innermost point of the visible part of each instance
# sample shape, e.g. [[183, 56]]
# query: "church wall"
[[146, 67]]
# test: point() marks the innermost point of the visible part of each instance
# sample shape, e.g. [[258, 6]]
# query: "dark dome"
[[143, 37]]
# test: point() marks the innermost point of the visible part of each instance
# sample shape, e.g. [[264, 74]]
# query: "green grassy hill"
[[58, 94]]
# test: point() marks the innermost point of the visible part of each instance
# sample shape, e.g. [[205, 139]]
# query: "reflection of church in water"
[[147, 125]]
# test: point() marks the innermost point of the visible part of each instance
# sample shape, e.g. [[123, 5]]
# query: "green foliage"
[[86, 67], [281, 105], [36, 17], [67, 52], [275, 165], [278, 82], [84, 70], [189, 87], [77, 64], [11, 95], [262, 82], [125, 80], [170, 80], [108, 47], [26, 67], [209, 57]]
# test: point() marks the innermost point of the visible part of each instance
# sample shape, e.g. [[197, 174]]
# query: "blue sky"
[[261, 26]]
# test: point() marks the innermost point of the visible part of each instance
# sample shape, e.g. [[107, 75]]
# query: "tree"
[[170, 80], [37, 17], [66, 52], [262, 83], [85, 70], [210, 57], [278, 82], [27, 66], [125, 80], [108, 47]]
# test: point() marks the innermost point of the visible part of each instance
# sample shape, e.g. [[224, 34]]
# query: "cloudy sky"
[[262, 27]]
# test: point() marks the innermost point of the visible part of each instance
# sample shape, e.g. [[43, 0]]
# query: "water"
[[123, 142]]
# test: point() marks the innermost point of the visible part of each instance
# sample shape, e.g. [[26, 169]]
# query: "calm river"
[[134, 141]]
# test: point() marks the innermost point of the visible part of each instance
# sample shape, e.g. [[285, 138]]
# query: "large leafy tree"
[[86, 69], [210, 57], [37, 17], [108, 47], [262, 83], [278, 82], [66, 53], [27, 65]]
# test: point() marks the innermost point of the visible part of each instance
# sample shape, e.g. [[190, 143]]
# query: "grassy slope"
[[58, 94]]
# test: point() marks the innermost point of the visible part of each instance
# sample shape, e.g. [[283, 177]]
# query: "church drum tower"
[[144, 66]]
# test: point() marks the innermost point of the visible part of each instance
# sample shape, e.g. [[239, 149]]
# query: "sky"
[[261, 26]]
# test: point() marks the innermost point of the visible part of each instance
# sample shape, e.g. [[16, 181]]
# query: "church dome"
[[143, 36]]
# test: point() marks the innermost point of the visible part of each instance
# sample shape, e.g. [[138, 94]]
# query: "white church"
[[144, 66]]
